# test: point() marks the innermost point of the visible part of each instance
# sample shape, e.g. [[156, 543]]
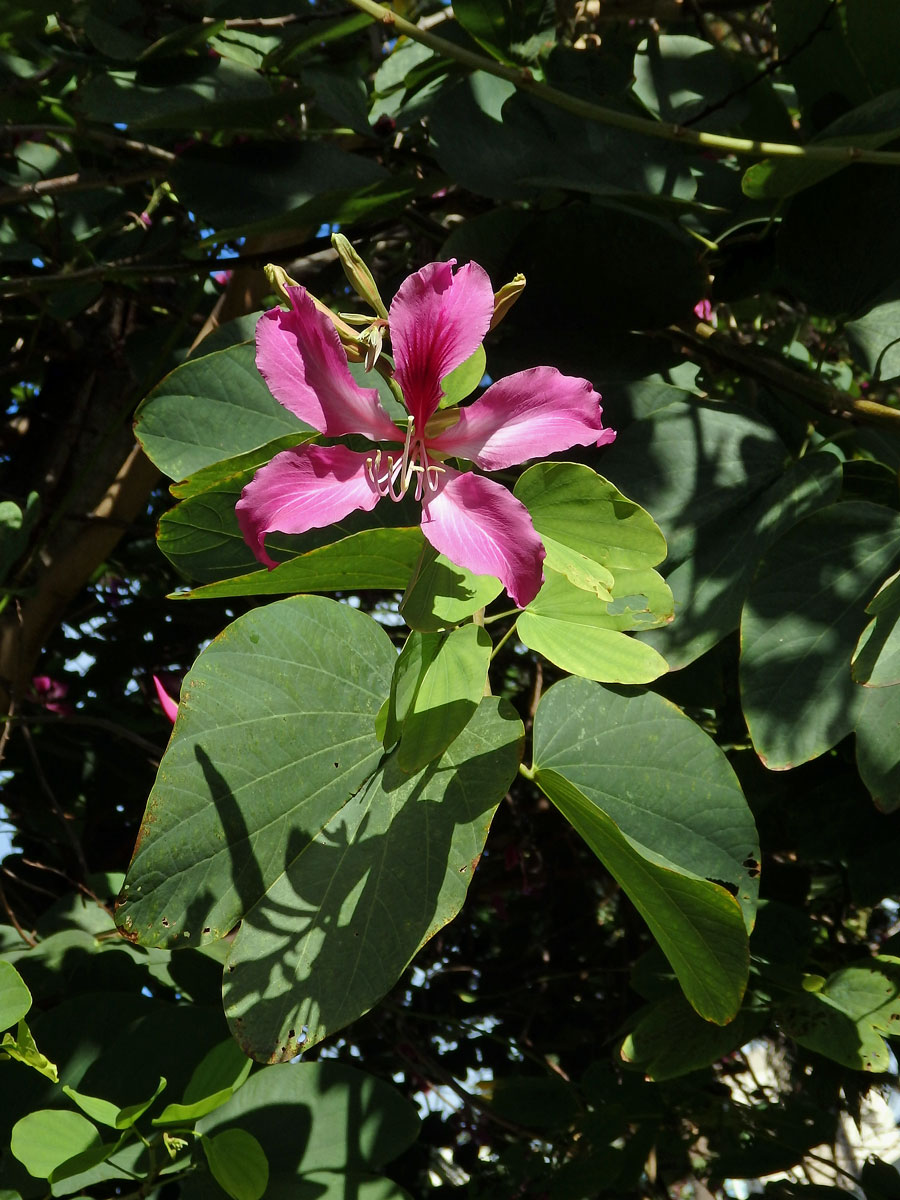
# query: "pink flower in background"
[[703, 310], [438, 319], [51, 693], [169, 706]]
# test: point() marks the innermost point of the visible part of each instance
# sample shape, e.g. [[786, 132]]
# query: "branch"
[[78, 182], [644, 126], [97, 135], [703, 339]]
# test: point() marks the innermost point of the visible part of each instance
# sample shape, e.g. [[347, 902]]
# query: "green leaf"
[[874, 338], [878, 747], [670, 1039], [575, 630], [106, 1113], [876, 659], [435, 700], [320, 1116], [216, 1078], [15, 998], [463, 381], [23, 1049], [802, 619], [697, 924], [238, 1164], [352, 905], [710, 587], [440, 594], [848, 1019], [275, 732], [45, 1139], [15, 529], [619, 534], [382, 559], [666, 784], [234, 469], [209, 409]]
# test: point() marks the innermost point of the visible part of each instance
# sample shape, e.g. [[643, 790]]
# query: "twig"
[[751, 360], [26, 937], [54, 803], [664, 130], [78, 182], [97, 135]]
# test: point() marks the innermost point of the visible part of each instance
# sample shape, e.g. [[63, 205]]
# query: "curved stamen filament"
[[398, 475]]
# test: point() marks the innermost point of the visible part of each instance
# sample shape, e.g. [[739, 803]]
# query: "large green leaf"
[[15, 998], [874, 338], [663, 781], [353, 904], [801, 622], [575, 630], [711, 585], [275, 732], [876, 659], [319, 1116], [698, 924], [209, 409], [439, 594], [878, 745], [690, 463]]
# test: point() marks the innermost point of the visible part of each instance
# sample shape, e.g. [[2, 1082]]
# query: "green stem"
[[645, 126], [505, 637]]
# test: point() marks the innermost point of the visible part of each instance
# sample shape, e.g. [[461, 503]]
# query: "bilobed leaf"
[[663, 781], [874, 338], [352, 905], [45, 1139], [209, 409], [575, 630], [275, 732], [15, 998], [710, 586], [803, 616], [238, 1163], [105, 1113], [698, 924], [878, 745]]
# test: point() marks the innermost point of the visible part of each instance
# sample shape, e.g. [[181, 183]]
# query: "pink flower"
[[51, 693], [169, 706], [437, 320], [703, 310]]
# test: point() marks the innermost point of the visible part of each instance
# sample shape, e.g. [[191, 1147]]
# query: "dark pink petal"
[[478, 524], [437, 321], [300, 356], [528, 415], [306, 488], [169, 706]]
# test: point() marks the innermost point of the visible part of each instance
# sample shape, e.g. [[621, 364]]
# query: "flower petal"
[[478, 524], [299, 355], [305, 488], [169, 706], [437, 321], [527, 415]]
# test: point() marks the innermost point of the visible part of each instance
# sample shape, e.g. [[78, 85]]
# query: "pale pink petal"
[[169, 706], [306, 488], [437, 321], [299, 355], [527, 415], [478, 524]]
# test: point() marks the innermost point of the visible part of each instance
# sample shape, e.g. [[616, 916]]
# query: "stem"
[[505, 637], [97, 135], [665, 130], [79, 182]]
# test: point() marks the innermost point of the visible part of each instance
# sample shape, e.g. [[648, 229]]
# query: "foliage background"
[[156, 156]]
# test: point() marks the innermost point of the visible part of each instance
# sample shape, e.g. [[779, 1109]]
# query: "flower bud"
[[358, 274], [506, 298]]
